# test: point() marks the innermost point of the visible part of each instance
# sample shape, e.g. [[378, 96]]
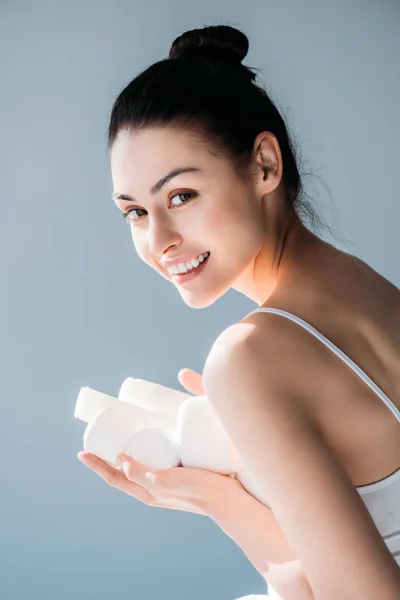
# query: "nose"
[[162, 235]]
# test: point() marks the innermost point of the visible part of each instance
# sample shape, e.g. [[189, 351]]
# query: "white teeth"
[[188, 266], [181, 267]]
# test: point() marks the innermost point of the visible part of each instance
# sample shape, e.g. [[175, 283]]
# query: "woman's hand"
[[179, 488]]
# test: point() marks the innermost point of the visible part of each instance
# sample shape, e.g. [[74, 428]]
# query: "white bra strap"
[[338, 353]]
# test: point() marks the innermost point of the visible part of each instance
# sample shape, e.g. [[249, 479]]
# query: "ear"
[[267, 159]]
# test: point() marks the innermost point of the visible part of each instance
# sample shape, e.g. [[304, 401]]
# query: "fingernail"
[[87, 455]]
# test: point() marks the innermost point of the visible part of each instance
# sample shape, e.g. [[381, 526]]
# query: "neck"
[[279, 256]]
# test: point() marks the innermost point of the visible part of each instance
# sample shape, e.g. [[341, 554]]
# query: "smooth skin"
[[304, 422]]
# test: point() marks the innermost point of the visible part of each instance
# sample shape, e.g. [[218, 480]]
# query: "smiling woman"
[[206, 175]]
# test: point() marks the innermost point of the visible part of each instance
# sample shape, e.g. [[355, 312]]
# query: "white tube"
[[203, 440], [178, 430], [90, 401], [154, 448], [107, 433], [110, 432], [152, 396]]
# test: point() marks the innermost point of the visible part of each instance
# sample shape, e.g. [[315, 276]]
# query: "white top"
[[381, 498]]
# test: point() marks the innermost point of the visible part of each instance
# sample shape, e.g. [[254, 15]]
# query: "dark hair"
[[203, 87]]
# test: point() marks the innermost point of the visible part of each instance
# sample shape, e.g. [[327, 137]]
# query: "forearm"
[[254, 528]]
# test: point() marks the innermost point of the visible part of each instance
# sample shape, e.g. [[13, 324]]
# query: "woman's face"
[[209, 210]]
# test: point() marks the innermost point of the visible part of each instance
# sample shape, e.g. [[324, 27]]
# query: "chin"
[[202, 294], [198, 302], [199, 299]]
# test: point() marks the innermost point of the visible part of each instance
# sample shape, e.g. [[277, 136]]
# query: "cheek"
[[139, 246], [144, 254], [136, 243], [238, 236], [236, 227]]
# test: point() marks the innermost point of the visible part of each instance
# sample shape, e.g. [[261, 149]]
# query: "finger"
[[140, 474], [192, 381], [115, 478], [175, 488]]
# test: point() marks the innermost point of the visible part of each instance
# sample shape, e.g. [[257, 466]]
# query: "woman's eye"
[[131, 214], [183, 194], [127, 215]]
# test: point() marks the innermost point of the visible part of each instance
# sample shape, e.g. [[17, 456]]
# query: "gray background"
[[79, 308]]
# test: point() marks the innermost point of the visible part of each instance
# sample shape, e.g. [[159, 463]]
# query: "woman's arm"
[[255, 384], [254, 528], [252, 525]]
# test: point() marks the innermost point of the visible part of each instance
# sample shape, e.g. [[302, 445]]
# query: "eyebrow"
[[160, 184]]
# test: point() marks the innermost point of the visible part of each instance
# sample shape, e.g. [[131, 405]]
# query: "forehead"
[[155, 149]]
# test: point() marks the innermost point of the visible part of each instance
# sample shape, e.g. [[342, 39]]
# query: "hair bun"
[[213, 42]]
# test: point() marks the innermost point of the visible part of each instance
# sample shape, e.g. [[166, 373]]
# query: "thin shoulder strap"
[[338, 353]]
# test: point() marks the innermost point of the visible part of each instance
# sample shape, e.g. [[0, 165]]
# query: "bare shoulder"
[[257, 332], [274, 352]]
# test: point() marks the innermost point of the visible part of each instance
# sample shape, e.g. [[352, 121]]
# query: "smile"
[[186, 267], [192, 272]]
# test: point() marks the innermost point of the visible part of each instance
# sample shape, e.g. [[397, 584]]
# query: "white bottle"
[[113, 424], [162, 428]]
